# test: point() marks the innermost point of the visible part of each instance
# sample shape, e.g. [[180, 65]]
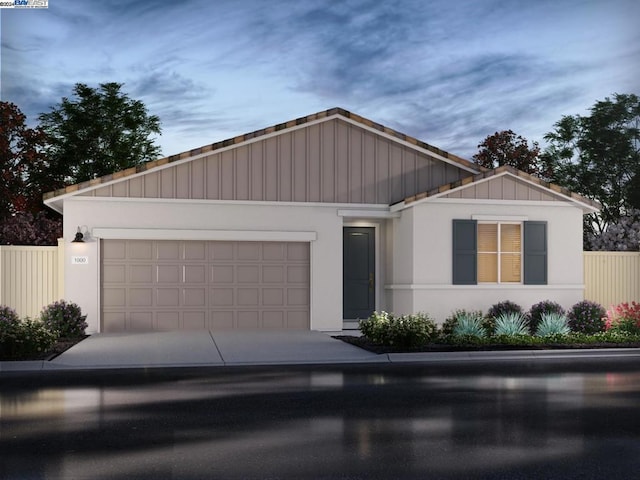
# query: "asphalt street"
[[511, 420]]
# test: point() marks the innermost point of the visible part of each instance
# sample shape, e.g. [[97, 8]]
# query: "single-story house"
[[310, 223]]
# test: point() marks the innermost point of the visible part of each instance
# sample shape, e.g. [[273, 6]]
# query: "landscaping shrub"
[[469, 325], [511, 324], [64, 318], [451, 321], [539, 309], [624, 318], [8, 315], [23, 339], [408, 331], [552, 324], [498, 309], [504, 307], [587, 317]]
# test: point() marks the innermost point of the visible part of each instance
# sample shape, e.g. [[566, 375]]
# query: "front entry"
[[358, 271]]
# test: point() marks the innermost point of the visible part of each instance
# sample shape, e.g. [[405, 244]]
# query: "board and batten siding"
[[503, 188], [331, 162], [31, 277], [611, 278]]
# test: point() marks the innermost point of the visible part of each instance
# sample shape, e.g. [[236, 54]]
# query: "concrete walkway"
[[205, 348]]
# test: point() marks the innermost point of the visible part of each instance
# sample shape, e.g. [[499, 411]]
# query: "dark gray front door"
[[359, 300]]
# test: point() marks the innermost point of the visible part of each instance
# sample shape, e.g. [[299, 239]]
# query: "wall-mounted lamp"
[[79, 237]]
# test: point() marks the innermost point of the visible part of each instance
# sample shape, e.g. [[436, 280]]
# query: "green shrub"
[[539, 309], [8, 315], [552, 324], [408, 331], [23, 339], [511, 324], [469, 325], [504, 307], [587, 317], [64, 318]]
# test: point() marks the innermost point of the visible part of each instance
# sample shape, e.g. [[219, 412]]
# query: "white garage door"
[[174, 285]]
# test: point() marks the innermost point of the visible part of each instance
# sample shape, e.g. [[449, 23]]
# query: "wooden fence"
[[611, 278], [31, 277]]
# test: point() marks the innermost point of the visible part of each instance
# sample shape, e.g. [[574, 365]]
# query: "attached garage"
[[150, 285]]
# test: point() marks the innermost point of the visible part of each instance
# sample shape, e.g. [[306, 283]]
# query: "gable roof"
[[550, 189], [52, 198]]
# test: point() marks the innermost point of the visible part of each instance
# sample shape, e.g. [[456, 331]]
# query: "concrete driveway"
[[206, 348]]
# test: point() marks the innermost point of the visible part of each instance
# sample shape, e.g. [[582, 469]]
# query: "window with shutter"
[[499, 252]]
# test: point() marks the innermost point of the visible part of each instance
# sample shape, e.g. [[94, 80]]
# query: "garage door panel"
[[196, 251], [273, 297], [248, 273], [221, 297], [298, 320], [168, 297], [141, 321], [222, 320], [248, 320], [168, 250], [298, 252], [172, 285], [140, 273], [273, 251], [139, 250], [195, 274], [114, 250], [248, 251], [220, 251], [248, 296], [195, 320], [222, 274], [168, 273], [273, 274], [140, 297], [274, 319], [115, 274], [195, 297], [114, 297]]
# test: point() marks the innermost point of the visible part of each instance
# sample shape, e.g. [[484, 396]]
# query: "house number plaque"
[[79, 260]]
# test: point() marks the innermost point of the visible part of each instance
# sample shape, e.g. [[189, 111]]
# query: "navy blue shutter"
[[465, 252], [535, 253]]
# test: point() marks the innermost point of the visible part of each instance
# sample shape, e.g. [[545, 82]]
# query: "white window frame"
[[500, 252]]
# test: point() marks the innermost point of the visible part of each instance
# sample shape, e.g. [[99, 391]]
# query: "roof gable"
[[503, 183], [331, 156]]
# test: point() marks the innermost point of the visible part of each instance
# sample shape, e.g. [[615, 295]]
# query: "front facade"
[[309, 223]]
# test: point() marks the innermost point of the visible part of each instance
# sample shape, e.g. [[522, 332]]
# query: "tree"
[[21, 160], [25, 228], [624, 235], [598, 156], [99, 131], [507, 148]]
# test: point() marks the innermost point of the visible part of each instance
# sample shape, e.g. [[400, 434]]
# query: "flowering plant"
[[625, 317], [587, 317]]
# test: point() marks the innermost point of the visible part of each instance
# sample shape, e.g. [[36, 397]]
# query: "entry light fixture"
[[79, 237]]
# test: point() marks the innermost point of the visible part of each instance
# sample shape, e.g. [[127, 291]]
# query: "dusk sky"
[[449, 72]]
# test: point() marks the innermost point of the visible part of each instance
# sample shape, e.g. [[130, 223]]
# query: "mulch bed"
[[365, 344]]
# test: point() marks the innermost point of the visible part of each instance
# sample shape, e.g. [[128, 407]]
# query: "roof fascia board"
[[368, 207]]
